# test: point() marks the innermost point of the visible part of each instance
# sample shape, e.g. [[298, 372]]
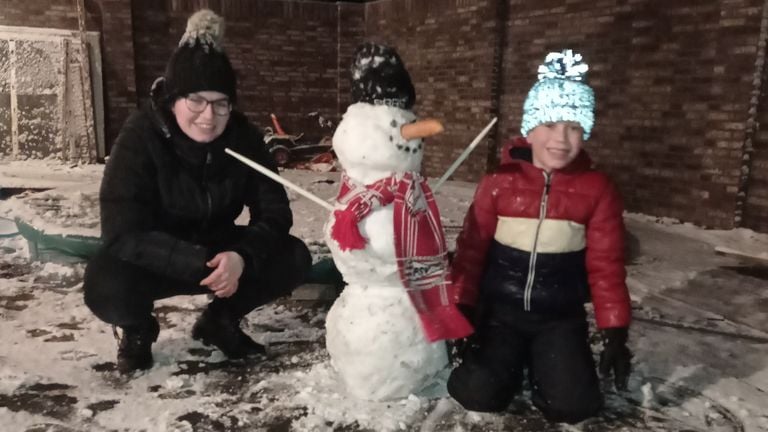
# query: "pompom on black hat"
[[379, 77], [199, 63]]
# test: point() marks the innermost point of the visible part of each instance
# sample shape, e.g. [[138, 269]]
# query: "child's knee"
[[479, 389]]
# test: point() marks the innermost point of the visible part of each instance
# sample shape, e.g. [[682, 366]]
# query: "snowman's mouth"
[[410, 149]]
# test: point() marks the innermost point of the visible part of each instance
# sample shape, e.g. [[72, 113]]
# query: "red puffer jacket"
[[545, 242]]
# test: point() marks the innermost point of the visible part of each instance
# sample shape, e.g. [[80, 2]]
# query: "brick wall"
[[285, 53], [448, 47], [673, 80], [60, 14], [756, 209], [351, 35], [118, 65], [672, 83], [756, 203]]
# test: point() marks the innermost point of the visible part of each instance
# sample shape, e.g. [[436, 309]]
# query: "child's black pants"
[[555, 351]]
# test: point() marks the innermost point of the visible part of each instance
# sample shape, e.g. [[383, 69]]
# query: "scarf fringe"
[[345, 230]]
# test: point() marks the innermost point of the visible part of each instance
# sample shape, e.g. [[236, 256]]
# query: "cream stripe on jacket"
[[555, 235]]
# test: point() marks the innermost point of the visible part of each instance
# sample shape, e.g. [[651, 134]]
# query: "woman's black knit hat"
[[379, 77], [199, 63]]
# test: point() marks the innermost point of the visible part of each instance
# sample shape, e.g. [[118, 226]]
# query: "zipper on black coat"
[[209, 204], [532, 259]]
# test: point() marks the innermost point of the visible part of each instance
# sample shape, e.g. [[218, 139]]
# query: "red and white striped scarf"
[[419, 246]]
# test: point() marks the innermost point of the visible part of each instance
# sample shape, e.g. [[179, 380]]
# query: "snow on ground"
[[700, 338], [45, 173]]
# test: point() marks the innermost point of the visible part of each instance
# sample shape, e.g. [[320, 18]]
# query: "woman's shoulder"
[[141, 137], [141, 124], [140, 118]]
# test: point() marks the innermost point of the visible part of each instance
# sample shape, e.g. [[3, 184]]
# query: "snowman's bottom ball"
[[376, 344]]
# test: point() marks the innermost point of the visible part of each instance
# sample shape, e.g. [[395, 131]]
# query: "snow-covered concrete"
[[700, 339]]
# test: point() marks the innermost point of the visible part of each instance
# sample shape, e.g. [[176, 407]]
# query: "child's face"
[[555, 145]]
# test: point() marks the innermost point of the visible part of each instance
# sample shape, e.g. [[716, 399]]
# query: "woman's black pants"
[[123, 294]]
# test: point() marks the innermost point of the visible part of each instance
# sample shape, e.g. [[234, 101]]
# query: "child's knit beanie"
[[199, 63], [379, 77], [560, 94]]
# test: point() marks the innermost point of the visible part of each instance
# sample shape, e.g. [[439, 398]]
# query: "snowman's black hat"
[[379, 77]]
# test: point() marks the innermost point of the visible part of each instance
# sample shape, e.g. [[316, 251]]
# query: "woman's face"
[[203, 116]]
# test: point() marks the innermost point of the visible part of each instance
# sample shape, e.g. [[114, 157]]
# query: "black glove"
[[616, 357], [469, 312], [457, 347]]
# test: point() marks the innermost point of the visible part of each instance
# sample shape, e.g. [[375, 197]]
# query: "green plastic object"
[[56, 247], [8, 228], [76, 248], [325, 272]]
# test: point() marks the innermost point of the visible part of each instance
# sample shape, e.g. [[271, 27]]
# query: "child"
[[544, 234]]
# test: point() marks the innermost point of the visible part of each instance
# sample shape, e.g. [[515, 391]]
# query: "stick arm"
[[464, 154], [287, 183]]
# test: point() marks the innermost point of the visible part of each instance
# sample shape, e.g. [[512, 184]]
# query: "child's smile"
[[555, 145]]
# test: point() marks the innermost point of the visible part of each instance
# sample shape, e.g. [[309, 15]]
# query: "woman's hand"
[[223, 280]]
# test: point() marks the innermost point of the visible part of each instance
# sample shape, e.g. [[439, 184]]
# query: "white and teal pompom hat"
[[560, 94]]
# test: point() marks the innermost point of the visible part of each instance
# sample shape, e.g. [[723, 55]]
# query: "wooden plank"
[[85, 77], [97, 90], [14, 99], [744, 256], [62, 96]]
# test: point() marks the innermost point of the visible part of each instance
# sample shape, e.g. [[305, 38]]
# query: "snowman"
[[386, 331]]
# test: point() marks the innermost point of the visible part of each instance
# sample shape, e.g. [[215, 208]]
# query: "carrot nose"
[[421, 129]]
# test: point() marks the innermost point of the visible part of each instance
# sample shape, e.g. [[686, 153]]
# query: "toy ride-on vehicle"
[[288, 149]]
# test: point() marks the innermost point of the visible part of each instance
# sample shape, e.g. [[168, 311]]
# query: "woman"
[[169, 199]]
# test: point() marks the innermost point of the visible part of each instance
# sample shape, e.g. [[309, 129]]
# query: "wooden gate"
[[43, 113]]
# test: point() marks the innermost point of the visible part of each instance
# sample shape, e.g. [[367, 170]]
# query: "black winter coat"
[[168, 204]]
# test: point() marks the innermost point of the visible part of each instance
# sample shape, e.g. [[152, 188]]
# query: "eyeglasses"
[[198, 104]]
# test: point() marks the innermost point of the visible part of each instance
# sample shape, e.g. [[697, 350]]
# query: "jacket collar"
[[190, 151]]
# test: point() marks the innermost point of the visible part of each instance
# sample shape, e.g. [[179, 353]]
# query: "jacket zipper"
[[208, 160], [532, 259]]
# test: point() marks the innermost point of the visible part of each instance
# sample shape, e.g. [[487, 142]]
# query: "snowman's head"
[[370, 145], [369, 141]]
